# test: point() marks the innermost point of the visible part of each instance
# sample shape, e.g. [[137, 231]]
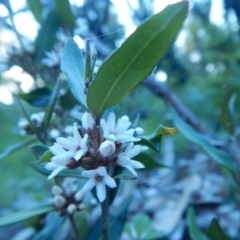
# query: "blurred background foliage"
[[202, 68]]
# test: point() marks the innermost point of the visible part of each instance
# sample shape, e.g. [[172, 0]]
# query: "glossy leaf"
[[38, 150], [135, 59], [16, 147], [72, 65], [25, 214], [36, 8], [40, 167], [37, 98], [215, 232], [217, 155], [65, 14], [153, 141], [193, 230]]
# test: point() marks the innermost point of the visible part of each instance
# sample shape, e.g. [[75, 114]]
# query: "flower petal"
[[109, 181], [56, 171], [62, 158], [136, 164], [101, 191], [66, 143], [89, 173], [89, 185], [77, 137], [111, 121], [131, 170]]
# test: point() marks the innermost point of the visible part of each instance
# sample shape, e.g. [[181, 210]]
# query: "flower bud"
[[124, 118], [59, 201], [78, 196], [56, 190], [139, 131], [107, 148], [71, 208], [87, 121]]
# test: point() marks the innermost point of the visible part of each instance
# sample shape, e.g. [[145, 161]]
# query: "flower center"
[[98, 178]]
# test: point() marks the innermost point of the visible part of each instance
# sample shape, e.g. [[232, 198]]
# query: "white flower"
[[107, 148], [52, 59], [87, 121], [124, 158], [98, 178], [37, 118], [120, 132], [65, 150]]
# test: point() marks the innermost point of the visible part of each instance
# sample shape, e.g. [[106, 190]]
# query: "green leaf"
[[215, 232], [153, 141], [135, 59], [38, 150], [38, 97], [194, 231], [217, 155], [16, 147], [36, 8], [46, 37], [25, 214], [65, 14], [51, 104], [72, 64], [40, 167]]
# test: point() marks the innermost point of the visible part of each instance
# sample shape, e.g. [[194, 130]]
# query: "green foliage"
[[72, 65], [215, 232], [36, 8], [25, 214], [127, 67]]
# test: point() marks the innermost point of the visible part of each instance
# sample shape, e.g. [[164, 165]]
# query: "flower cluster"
[[96, 148]]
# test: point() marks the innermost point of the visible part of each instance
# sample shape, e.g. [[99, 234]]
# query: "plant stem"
[[74, 228]]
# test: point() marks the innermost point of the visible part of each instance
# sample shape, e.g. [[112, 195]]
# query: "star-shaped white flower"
[[65, 150], [124, 158], [120, 132], [99, 178]]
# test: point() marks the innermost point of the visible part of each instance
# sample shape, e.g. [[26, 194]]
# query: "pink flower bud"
[[107, 148]]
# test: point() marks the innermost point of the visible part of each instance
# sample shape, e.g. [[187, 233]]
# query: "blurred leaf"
[[193, 230], [149, 162], [72, 64], [67, 101], [38, 98], [36, 8], [135, 59], [51, 104], [65, 14], [217, 155], [226, 117], [46, 157], [25, 214], [16, 147], [46, 37], [81, 220], [215, 232], [125, 175], [40, 167], [38, 150], [153, 141], [141, 227]]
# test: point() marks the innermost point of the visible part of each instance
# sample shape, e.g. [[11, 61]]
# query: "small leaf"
[[40, 167], [72, 64], [46, 157], [25, 214], [194, 231], [129, 65], [215, 232], [217, 155], [36, 8], [38, 150], [37, 98], [65, 14], [16, 147], [153, 141]]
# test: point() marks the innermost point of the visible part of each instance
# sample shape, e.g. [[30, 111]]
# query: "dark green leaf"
[[215, 232], [153, 141], [38, 97], [36, 8], [65, 14], [16, 147], [40, 167], [46, 37], [72, 65], [217, 155], [193, 230], [51, 104], [135, 59], [81, 220], [38, 150], [25, 214]]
